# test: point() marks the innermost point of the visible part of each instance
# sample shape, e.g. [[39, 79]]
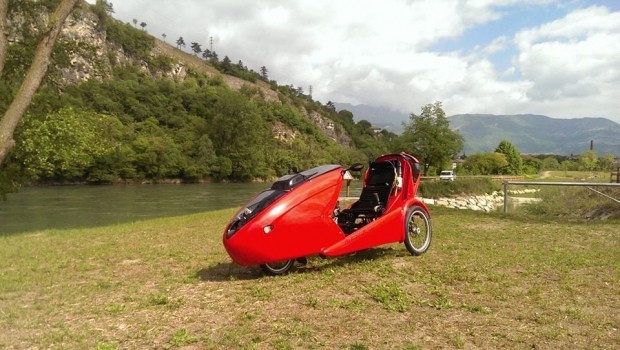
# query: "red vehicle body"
[[299, 216]]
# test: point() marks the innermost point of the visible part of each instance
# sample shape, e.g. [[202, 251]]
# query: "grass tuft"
[[390, 295], [489, 281], [183, 337]]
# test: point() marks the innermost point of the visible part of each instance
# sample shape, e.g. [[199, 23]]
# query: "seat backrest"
[[379, 183], [381, 173]]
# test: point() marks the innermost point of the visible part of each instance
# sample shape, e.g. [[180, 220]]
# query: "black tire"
[[418, 230], [277, 268]]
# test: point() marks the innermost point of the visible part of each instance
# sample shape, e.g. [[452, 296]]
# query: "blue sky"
[[556, 58], [514, 18]]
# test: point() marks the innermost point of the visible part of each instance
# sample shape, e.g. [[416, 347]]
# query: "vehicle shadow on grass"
[[228, 271], [223, 272], [350, 259]]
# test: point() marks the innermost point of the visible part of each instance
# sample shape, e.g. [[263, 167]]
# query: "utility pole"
[[310, 92], [211, 43]]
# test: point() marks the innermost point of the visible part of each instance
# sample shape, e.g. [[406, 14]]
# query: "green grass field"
[[488, 281]]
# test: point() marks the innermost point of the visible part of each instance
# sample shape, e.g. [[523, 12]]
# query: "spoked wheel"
[[418, 230], [278, 267]]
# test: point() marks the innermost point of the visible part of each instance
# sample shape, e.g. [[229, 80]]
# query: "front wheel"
[[418, 230], [277, 268]]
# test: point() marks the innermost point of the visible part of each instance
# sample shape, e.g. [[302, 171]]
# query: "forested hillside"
[[120, 105]]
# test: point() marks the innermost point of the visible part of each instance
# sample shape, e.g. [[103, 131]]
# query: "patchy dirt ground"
[[487, 282]]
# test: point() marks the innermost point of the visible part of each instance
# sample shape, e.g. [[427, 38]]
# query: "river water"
[[59, 207]]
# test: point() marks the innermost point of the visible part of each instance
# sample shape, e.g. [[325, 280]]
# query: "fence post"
[[505, 197]]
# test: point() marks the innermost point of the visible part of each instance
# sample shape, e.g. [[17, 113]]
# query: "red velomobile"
[[299, 215]]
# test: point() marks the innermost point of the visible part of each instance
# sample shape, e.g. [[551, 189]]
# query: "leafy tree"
[[135, 22], [214, 57], [143, 25], [569, 165], [180, 42], [588, 161], [107, 6], [513, 156], [606, 162], [196, 48], [365, 127], [490, 163], [226, 65], [532, 165], [428, 136], [263, 72], [64, 144], [36, 73], [550, 163], [223, 168], [330, 105], [163, 35], [157, 155], [240, 134], [345, 115]]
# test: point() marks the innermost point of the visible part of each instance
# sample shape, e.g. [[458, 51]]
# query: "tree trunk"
[[33, 78], [4, 6]]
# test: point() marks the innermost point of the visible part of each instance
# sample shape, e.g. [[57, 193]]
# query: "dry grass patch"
[[486, 282]]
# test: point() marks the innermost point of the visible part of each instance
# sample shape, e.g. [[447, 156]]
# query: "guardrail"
[[492, 177], [588, 185]]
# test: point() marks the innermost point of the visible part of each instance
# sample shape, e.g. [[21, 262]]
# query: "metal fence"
[[588, 185], [492, 177]]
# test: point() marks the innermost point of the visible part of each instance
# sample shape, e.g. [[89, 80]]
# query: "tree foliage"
[[64, 144], [196, 48], [550, 163], [35, 73], [532, 165], [588, 161], [606, 162], [491, 163], [513, 156], [135, 125], [428, 136], [135, 43], [192, 129], [180, 42]]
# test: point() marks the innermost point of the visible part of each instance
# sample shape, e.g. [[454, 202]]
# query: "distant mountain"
[[537, 133], [529, 132], [380, 117]]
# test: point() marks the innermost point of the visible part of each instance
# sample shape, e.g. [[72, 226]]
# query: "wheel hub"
[[415, 230]]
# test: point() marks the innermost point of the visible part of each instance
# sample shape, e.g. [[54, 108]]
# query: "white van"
[[447, 175]]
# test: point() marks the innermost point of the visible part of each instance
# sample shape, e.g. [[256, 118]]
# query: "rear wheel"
[[418, 230], [278, 267]]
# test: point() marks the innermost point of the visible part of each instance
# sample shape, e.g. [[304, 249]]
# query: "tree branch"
[[33, 78]]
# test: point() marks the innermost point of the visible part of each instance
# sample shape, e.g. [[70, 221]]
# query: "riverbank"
[[164, 283], [62, 207], [486, 202]]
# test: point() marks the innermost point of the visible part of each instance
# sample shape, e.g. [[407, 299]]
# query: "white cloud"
[[576, 59], [380, 53]]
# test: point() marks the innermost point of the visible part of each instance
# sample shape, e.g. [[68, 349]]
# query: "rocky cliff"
[[93, 55]]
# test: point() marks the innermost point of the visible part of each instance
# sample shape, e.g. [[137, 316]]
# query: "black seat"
[[373, 199], [377, 189]]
